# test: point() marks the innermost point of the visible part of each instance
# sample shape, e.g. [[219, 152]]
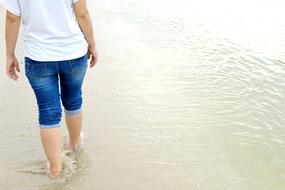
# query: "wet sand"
[[163, 109]]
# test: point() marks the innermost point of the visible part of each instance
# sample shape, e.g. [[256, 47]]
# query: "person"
[[58, 41]]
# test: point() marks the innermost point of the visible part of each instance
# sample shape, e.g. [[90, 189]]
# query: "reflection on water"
[[186, 95]]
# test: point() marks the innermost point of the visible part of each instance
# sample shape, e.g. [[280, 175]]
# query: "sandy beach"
[[179, 100]]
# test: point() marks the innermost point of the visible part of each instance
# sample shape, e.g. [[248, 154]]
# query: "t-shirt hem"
[[10, 9], [65, 58]]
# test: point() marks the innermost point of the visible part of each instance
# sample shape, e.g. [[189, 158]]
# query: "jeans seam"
[[45, 68], [69, 64]]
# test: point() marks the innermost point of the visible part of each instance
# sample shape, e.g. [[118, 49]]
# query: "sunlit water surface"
[[187, 94]]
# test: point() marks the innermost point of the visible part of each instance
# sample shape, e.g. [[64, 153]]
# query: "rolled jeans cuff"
[[49, 126], [72, 112]]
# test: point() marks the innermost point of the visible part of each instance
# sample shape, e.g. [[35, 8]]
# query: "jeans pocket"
[[78, 65], [35, 69]]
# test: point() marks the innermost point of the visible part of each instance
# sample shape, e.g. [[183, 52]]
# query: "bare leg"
[[51, 141], [74, 125]]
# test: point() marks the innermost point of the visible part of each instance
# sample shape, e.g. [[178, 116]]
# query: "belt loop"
[[57, 66]]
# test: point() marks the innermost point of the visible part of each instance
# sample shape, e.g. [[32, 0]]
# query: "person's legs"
[[74, 125], [51, 141], [72, 74], [43, 78]]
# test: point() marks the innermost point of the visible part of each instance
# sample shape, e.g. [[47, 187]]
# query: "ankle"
[[74, 145]]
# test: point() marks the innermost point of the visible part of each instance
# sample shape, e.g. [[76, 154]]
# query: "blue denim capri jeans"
[[55, 82]]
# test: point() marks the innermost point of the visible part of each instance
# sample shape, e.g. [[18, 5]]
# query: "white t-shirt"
[[50, 29]]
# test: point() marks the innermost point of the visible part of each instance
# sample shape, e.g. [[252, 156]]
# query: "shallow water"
[[186, 95]]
